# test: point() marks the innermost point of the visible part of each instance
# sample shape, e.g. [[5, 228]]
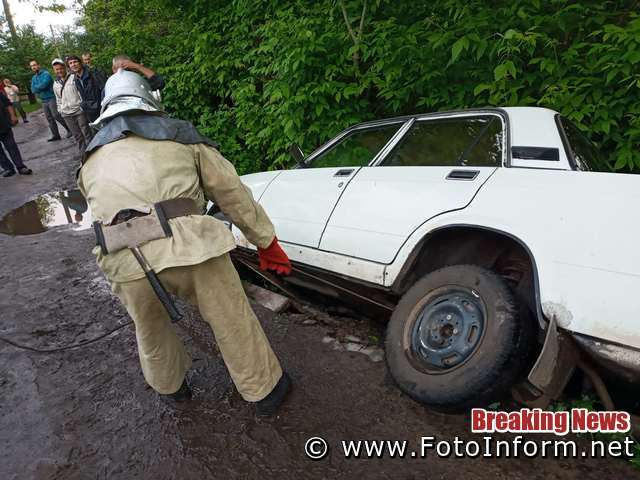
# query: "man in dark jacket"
[[90, 84], [7, 120]]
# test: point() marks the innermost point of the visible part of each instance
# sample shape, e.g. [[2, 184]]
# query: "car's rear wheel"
[[457, 339]]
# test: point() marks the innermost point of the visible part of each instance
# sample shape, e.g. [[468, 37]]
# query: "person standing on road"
[[69, 104], [13, 93], [156, 82], [42, 85], [87, 59], [90, 84], [141, 158], [7, 120]]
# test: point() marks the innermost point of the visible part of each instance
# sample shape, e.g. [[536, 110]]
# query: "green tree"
[[258, 76], [16, 53]]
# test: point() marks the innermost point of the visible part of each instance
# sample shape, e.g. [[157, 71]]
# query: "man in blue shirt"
[[42, 85]]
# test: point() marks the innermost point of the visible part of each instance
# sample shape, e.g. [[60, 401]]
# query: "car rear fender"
[[579, 235]]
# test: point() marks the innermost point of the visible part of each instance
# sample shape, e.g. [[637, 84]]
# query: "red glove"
[[274, 258]]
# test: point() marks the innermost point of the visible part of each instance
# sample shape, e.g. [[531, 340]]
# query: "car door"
[[437, 166], [299, 202]]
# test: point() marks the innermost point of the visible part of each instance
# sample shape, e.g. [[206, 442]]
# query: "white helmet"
[[126, 91]]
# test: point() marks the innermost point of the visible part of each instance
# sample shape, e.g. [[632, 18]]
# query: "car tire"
[[467, 310]]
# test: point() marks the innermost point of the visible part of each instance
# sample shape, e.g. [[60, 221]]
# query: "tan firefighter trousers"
[[215, 288]]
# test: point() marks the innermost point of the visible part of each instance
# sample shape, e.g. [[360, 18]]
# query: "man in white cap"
[[143, 166], [42, 86], [69, 104]]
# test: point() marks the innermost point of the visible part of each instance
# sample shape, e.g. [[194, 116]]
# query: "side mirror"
[[297, 153]]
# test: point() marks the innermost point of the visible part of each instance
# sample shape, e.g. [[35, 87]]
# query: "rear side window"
[[584, 153], [464, 141], [356, 149]]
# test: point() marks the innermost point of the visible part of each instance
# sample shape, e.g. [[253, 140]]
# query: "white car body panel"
[[375, 230], [580, 228], [351, 267], [300, 201], [529, 126], [258, 182], [579, 231]]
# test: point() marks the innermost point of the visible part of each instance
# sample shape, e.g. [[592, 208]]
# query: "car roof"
[[512, 112]]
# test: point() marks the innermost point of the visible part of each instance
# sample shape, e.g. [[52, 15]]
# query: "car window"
[[356, 149], [463, 141], [585, 154]]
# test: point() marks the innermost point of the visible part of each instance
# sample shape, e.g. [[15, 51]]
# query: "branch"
[[356, 38], [430, 21], [46, 5], [346, 20], [364, 10]]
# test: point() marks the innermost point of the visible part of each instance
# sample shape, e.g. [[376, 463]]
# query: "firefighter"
[[142, 167]]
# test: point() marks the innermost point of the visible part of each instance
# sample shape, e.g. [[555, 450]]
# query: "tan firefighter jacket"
[[135, 173]]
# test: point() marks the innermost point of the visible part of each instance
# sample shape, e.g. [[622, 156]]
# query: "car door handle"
[[463, 174], [345, 172]]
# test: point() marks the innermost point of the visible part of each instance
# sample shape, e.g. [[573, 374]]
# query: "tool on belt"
[[131, 229]]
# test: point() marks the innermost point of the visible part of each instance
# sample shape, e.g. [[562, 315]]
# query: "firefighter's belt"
[[131, 228]]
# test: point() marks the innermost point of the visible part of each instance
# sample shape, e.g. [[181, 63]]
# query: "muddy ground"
[[87, 413]]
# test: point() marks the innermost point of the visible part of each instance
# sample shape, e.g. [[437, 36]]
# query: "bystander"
[[14, 161], [156, 82], [69, 104], [13, 93], [90, 84], [42, 85]]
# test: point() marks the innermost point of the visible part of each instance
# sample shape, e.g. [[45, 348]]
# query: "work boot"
[[8, 173], [269, 405], [53, 139], [25, 171], [180, 397]]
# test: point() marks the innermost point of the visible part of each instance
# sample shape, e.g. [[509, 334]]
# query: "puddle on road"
[[54, 209]]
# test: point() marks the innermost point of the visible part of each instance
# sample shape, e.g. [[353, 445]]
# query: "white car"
[[500, 253]]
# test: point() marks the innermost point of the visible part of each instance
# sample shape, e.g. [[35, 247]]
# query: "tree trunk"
[[9, 17]]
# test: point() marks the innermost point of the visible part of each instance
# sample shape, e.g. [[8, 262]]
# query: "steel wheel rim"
[[446, 329]]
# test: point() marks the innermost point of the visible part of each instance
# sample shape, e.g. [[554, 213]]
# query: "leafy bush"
[[259, 76], [592, 404]]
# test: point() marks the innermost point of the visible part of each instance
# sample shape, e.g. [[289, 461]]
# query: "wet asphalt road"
[[87, 413]]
